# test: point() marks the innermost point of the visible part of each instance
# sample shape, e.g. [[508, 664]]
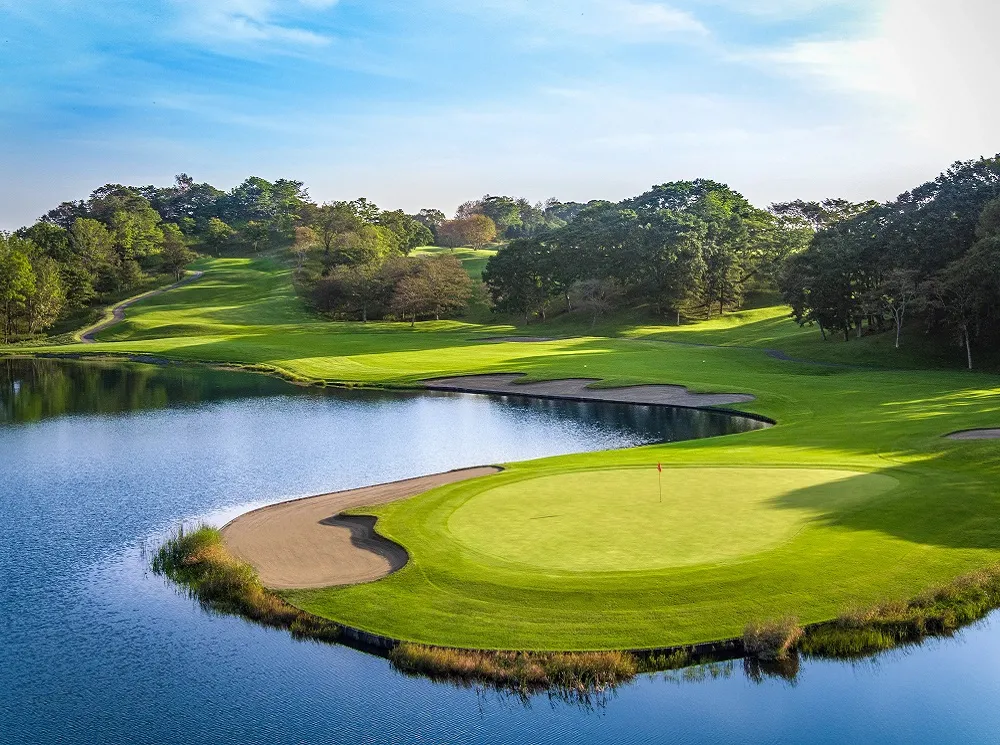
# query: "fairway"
[[613, 520]]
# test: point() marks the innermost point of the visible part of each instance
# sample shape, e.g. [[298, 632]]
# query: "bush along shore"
[[198, 561]]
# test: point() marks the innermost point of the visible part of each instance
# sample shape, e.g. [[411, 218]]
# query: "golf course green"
[[616, 521], [854, 498]]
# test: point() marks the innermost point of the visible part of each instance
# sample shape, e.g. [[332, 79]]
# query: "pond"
[[101, 460]]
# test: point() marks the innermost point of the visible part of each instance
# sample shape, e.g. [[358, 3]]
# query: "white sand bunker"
[[975, 434], [579, 389]]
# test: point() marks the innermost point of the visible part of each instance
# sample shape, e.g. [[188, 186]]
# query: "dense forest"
[[931, 256], [928, 261]]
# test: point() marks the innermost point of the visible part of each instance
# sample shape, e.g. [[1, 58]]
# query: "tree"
[[255, 232], [17, 281], [218, 234], [305, 240], [476, 230], [431, 287], [93, 247], [45, 300], [66, 214], [332, 220], [175, 254], [355, 289], [596, 296], [50, 238], [431, 218], [900, 289], [412, 297], [819, 215], [449, 284], [480, 230], [519, 278], [505, 212], [369, 245], [407, 232]]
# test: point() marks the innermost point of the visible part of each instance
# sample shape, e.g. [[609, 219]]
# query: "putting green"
[[614, 520]]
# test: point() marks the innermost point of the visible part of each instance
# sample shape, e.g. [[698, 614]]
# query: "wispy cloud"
[[775, 9], [627, 21], [249, 21]]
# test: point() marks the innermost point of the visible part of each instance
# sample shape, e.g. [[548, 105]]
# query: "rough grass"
[[527, 671], [772, 640], [942, 521], [199, 561], [939, 611]]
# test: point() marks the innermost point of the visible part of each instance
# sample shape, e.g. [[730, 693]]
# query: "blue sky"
[[427, 103]]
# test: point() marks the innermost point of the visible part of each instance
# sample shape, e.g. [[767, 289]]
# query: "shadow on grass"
[[931, 507]]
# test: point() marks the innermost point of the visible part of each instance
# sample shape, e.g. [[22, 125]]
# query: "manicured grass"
[[473, 259], [614, 520], [818, 548]]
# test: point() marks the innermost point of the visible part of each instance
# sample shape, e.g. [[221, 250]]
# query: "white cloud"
[[619, 20], [930, 66], [243, 21], [778, 8]]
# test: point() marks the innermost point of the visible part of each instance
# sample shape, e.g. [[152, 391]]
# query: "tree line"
[[352, 259], [928, 260], [86, 253], [683, 248]]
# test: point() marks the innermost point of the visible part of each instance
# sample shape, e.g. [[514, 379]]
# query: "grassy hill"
[[473, 259]]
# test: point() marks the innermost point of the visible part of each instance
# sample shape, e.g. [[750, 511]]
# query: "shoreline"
[[855, 635], [222, 582]]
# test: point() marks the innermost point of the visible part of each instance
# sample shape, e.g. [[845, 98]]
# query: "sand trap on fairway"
[[612, 520], [976, 434], [577, 389], [302, 543]]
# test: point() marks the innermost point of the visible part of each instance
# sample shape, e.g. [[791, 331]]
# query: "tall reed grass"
[[528, 671], [198, 560], [939, 611]]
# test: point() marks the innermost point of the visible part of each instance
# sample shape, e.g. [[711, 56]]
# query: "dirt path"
[[576, 389], [118, 310], [306, 543]]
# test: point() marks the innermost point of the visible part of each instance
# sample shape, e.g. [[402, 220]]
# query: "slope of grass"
[[938, 522], [473, 259]]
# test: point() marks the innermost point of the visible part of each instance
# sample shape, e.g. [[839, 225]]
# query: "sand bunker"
[[975, 434], [306, 543], [576, 389]]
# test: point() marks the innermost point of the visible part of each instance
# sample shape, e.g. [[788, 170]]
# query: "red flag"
[[659, 468]]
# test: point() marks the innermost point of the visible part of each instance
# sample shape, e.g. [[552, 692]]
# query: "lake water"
[[98, 462]]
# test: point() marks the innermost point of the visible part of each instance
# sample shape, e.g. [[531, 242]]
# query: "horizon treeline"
[[929, 259], [682, 250]]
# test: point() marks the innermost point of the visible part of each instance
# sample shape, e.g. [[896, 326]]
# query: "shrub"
[[771, 640]]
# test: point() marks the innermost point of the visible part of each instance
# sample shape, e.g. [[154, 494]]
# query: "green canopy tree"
[[175, 254], [17, 281]]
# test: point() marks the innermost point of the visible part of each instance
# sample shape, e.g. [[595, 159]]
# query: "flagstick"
[[659, 482]]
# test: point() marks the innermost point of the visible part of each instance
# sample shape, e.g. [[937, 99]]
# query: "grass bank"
[[199, 561]]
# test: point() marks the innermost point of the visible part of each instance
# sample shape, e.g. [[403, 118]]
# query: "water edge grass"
[[198, 561]]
